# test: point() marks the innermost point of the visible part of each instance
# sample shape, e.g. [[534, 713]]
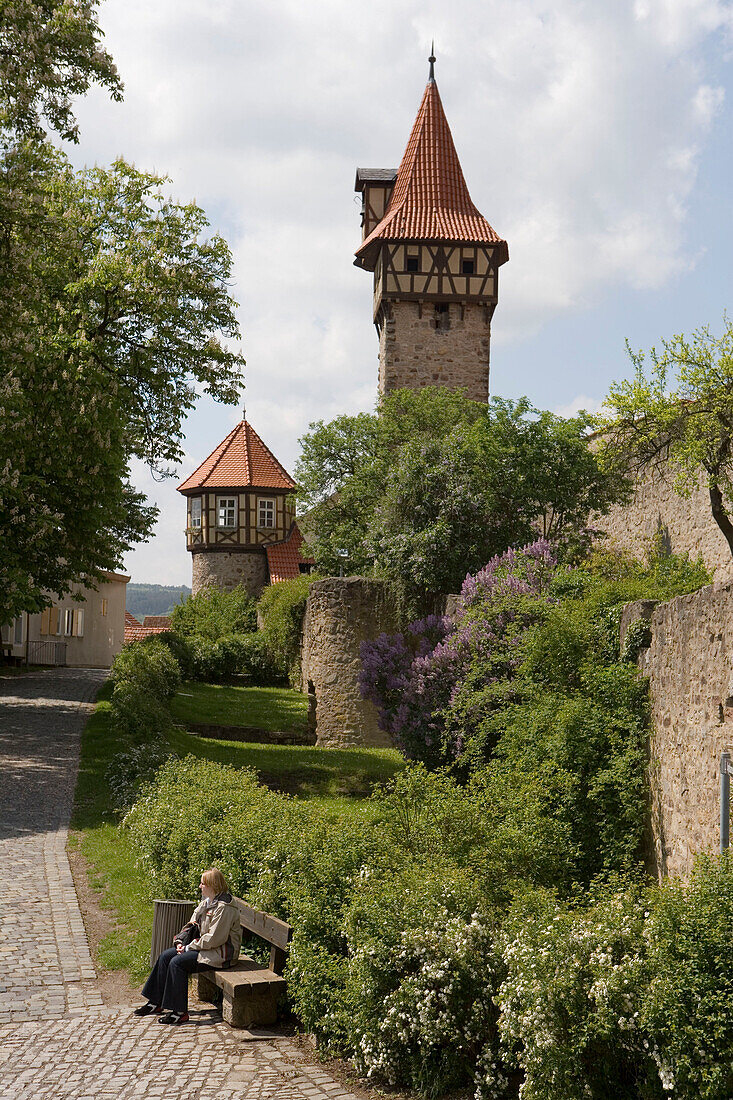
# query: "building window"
[[442, 317], [79, 623], [104, 607], [18, 630], [413, 263], [227, 512], [68, 622], [265, 512], [467, 267], [196, 512]]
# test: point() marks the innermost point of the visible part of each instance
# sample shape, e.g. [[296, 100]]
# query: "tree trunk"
[[720, 515]]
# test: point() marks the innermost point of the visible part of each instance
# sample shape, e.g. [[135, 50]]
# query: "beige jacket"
[[221, 932]]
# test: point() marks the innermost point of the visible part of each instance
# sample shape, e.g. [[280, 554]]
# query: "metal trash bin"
[[169, 917]]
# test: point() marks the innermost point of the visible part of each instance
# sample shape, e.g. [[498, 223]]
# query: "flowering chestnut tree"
[[114, 307]]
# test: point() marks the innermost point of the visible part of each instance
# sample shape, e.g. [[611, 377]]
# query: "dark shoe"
[[174, 1018], [147, 1010]]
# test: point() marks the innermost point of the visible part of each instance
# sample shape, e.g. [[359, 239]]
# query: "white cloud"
[[581, 403], [580, 128]]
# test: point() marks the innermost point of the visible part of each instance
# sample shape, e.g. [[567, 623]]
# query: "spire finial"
[[431, 59]]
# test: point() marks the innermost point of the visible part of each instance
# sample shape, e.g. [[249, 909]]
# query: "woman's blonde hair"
[[215, 880]]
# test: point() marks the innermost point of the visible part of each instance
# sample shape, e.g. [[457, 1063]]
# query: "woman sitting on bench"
[[210, 940]]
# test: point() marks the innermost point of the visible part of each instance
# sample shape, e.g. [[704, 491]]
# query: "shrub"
[[215, 612], [150, 666], [571, 1000], [281, 608], [415, 678], [228, 656], [137, 715], [421, 979], [688, 1008], [259, 663], [128, 771], [195, 814]]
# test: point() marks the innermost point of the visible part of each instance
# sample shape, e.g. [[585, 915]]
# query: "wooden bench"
[[249, 990]]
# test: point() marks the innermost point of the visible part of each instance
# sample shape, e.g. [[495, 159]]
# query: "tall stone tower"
[[435, 260]]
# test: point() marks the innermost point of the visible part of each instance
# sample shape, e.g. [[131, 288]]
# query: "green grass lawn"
[[336, 778], [268, 708], [124, 890], [338, 775]]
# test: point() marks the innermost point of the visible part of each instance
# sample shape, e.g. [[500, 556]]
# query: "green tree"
[[113, 306], [50, 52], [677, 413], [433, 485]]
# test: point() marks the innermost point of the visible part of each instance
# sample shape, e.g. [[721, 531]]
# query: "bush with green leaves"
[[130, 770], [688, 1005], [137, 715], [150, 666], [571, 1000], [422, 978], [281, 608], [259, 663], [215, 612]]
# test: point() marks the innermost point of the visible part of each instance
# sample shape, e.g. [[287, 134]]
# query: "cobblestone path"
[[57, 1039]]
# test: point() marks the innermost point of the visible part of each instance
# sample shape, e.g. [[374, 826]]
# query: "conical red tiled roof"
[[241, 461], [430, 199]]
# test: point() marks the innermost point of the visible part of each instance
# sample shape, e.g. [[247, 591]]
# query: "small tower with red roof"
[[241, 527], [435, 260]]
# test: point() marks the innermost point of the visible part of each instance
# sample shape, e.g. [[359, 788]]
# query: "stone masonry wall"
[[341, 613], [229, 570], [414, 353], [686, 522], [690, 668]]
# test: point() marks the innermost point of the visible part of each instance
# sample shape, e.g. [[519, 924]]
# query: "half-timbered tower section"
[[240, 514], [435, 260]]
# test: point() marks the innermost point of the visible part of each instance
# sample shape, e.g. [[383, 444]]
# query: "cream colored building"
[[80, 634]]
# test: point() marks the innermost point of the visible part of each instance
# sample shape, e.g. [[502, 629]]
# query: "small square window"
[[467, 267], [227, 512], [413, 263], [265, 513]]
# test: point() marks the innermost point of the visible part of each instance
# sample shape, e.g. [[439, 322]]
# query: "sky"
[[595, 136]]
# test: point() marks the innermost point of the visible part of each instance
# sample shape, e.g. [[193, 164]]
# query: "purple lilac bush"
[[414, 677]]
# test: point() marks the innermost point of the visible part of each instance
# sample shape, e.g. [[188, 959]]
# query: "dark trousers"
[[168, 981]]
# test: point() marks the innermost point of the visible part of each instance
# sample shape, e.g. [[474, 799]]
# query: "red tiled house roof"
[[241, 461], [135, 631], [163, 621], [284, 558], [430, 199]]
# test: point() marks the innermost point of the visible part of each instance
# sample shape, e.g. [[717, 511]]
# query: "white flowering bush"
[[689, 1003], [421, 977], [572, 999]]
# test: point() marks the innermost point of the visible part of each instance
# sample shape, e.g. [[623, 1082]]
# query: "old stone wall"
[[229, 570], [341, 613], [416, 351], [686, 523], [690, 668]]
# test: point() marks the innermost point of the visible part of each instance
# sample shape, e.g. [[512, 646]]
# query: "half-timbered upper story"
[[422, 236], [240, 497]]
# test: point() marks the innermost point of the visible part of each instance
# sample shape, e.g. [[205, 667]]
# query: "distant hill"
[[154, 599]]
